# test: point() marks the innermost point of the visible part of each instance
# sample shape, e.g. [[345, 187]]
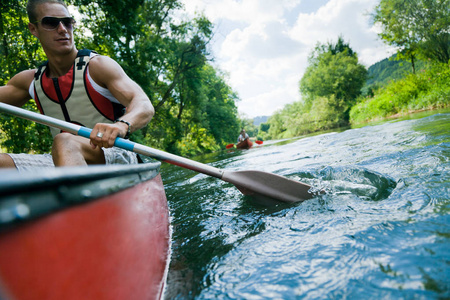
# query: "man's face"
[[59, 40]]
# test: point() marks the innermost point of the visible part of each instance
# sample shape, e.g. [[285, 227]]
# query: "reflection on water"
[[380, 231]]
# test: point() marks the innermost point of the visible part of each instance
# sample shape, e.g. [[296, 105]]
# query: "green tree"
[[417, 27], [220, 111], [330, 86], [334, 73], [277, 124]]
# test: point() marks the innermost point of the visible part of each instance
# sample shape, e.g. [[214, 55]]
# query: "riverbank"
[[405, 115], [427, 90]]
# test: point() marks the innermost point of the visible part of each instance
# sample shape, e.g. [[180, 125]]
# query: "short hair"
[[32, 4]]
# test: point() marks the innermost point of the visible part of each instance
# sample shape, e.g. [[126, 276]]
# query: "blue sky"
[[263, 45]]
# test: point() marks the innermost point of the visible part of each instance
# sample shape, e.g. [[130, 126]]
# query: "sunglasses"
[[51, 23]]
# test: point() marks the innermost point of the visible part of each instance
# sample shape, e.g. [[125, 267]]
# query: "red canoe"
[[245, 144], [98, 232]]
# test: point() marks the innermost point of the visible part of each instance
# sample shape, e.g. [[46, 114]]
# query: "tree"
[[416, 27], [220, 108], [333, 72], [330, 86]]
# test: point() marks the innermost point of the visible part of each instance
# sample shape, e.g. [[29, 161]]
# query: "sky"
[[263, 45]]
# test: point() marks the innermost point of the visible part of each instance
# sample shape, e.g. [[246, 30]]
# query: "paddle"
[[261, 185]]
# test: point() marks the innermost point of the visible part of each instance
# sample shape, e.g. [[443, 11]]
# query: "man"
[[77, 86], [243, 136]]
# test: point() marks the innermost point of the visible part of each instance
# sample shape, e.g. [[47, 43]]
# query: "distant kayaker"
[[243, 136], [76, 86]]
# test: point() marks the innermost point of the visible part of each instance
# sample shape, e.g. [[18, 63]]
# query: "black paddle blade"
[[268, 186]]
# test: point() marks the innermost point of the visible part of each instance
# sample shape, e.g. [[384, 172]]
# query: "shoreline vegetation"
[[427, 90]]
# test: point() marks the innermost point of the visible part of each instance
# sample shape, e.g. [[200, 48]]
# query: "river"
[[381, 231]]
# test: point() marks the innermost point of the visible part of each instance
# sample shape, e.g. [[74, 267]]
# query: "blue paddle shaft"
[[121, 143]]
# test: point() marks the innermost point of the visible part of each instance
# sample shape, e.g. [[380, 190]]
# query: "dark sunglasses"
[[51, 23]]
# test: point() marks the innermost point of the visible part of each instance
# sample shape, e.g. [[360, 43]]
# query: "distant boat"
[[245, 144], [98, 232]]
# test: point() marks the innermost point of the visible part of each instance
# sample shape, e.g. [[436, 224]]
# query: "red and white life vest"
[[72, 97]]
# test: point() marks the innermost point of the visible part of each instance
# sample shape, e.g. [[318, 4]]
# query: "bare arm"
[[107, 73], [15, 92]]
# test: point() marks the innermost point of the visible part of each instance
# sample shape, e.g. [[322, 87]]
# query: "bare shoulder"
[[103, 69], [23, 79], [103, 61]]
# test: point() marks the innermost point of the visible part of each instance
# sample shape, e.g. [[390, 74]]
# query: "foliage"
[[429, 89], [417, 27], [392, 68], [263, 132], [333, 70], [220, 111], [420, 29], [339, 75], [329, 87], [198, 140], [299, 118], [19, 50], [24, 136]]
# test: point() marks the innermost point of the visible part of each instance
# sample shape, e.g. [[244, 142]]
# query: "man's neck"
[[59, 65]]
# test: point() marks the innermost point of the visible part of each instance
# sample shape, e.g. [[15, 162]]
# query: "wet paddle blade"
[[268, 186], [229, 146], [259, 142]]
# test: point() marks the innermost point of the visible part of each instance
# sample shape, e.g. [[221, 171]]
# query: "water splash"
[[359, 181]]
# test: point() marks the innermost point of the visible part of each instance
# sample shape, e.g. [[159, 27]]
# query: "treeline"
[[167, 56], [338, 91], [427, 89]]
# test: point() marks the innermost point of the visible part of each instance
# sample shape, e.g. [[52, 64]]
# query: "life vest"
[[72, 97]]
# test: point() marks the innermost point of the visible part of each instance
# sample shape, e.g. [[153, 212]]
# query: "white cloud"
[[263, 46]]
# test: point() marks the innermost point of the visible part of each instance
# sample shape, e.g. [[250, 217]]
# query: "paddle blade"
[[229, 146], [259, 142], [268, 186]]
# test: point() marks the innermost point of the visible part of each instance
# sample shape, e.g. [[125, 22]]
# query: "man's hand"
[[104, 135]]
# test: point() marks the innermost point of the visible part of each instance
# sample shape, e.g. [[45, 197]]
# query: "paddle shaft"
[[120, 142]]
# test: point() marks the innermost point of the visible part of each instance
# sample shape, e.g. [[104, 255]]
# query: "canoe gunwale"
[[28, 195]]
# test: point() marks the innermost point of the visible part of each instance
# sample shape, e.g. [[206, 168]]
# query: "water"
[[380, 232]]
